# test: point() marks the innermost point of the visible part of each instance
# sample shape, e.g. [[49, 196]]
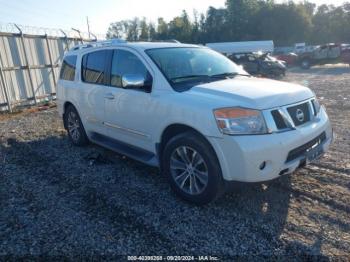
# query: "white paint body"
[[149, 114]]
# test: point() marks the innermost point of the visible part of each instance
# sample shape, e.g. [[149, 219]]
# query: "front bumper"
[[242, 157]]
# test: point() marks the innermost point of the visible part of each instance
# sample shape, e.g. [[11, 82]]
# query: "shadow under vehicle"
[[325, 54], [260, 64]]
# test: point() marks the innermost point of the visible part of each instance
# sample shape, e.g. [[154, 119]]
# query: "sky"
[[66, 14]]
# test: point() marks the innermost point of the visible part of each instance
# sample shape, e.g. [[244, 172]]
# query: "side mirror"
[[133, 81]]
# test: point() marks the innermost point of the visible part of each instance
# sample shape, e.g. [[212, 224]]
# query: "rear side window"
[[93, 67], [68, 68]]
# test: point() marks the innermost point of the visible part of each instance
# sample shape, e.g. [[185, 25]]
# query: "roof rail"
[[109, 42], [168, 41]]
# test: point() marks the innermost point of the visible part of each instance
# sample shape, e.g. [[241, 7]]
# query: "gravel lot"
[[57, 199]]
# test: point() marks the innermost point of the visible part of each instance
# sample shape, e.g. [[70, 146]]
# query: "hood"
[[252, 92], [273, 64]]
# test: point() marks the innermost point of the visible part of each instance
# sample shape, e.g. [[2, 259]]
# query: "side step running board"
[[136, 153]]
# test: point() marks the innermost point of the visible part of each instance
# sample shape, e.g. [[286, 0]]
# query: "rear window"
[[93, 67], [68, 68]]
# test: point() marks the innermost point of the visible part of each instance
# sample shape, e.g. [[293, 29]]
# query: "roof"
[[122, 43], [150, 45]]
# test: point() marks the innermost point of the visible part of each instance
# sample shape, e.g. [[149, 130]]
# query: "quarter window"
[[68, 68], [93, 67], [125, 62]]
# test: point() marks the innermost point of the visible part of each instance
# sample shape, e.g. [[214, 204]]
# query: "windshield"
[[185, 67]]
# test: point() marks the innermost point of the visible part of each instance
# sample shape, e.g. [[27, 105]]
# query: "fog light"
[[262, 165]]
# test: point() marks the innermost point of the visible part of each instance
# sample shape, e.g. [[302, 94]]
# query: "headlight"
[[316, 105], [240, 121]]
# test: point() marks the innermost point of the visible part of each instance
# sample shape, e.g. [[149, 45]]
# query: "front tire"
[[74, 126], [192, 168]]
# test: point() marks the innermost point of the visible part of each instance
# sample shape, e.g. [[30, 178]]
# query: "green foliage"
[[242, 20], [331, 24], [145, 30], [215, 25], [285, 24], [180, 28]]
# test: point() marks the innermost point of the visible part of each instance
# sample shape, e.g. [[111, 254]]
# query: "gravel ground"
[[61, 200]]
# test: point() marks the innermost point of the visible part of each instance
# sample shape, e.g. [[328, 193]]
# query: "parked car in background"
[[191, 112], [300, 48], [260, 64], [289, 58], [325, 54]]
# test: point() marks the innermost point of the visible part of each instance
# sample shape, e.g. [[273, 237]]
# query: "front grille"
[[300, 114], [280, 124], [292, 116], [301, 150]]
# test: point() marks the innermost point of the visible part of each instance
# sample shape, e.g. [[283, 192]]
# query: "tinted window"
[[186, 66], [93, 67], [125, 62], [68, 68]]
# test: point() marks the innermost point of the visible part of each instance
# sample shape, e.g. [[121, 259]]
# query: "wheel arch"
[[175, 129], [172, 130]]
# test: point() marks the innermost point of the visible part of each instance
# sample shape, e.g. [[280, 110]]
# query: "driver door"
[[128, 115]]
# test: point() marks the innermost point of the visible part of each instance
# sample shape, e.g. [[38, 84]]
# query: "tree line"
[[245, 20]]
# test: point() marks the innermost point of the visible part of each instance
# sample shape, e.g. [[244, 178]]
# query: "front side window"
[[186, 66], [93, 67], [68, 68], [127, 63]]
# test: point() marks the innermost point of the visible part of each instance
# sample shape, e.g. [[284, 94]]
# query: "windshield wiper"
[[228, 74], [189, 76], [223, 75]]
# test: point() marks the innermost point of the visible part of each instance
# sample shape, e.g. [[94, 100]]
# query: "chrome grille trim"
[[270, 121]]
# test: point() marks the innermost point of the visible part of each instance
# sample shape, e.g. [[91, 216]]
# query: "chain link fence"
[[32, 30], [29, 62]]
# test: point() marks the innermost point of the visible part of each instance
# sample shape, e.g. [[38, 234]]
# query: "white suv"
[[191, 112]]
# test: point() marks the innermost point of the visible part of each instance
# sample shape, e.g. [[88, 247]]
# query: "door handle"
[[109, 96]]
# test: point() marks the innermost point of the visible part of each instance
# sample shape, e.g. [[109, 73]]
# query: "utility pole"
[[88, 26]]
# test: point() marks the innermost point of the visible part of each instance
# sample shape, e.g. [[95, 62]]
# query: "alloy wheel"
[[189, 170], [73, 126]]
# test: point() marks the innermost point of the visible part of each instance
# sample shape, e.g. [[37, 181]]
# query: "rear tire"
[[305, 64], [74, 126], [192, 168]]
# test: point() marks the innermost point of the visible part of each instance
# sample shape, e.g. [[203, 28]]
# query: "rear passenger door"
[[94, 80], [128, 111]]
